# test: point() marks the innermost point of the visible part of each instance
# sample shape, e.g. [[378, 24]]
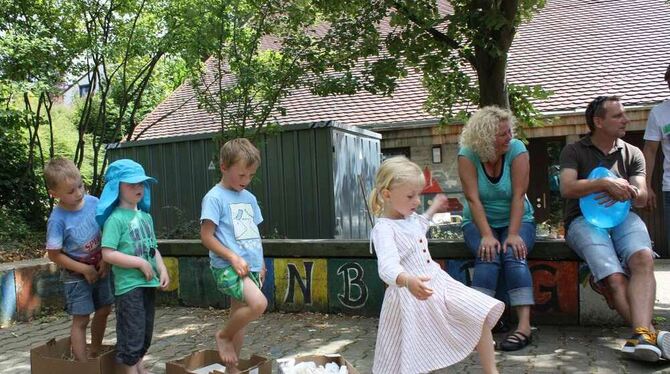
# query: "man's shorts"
[[607, 251], [228, 282], [82, 298]]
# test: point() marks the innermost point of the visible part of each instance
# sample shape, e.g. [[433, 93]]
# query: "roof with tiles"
[[578, 49]]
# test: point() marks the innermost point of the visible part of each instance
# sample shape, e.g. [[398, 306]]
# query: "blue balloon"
[[598, 214]]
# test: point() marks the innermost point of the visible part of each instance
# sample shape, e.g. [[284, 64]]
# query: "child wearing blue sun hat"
[[129, 244]]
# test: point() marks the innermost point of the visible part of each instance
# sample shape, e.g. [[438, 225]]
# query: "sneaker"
[[642, 346], [663, 342]]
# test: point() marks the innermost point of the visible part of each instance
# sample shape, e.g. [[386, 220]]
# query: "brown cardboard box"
[[319, 360], [254, 365], [49, 359]]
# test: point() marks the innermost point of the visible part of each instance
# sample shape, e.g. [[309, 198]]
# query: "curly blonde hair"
[[392, 172], [480, 131]]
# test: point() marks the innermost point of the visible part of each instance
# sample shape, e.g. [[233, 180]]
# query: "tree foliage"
[[243, 58], [459, 47]]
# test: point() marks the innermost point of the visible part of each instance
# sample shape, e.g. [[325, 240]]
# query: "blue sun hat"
[[127, 171]]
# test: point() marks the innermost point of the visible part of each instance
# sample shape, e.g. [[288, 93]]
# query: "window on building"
[[400, 151], [83, 89]]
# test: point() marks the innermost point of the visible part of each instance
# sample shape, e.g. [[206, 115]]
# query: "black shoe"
[[500, 327]]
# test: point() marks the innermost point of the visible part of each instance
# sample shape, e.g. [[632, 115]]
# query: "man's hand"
[[618, 189], [651, 199]]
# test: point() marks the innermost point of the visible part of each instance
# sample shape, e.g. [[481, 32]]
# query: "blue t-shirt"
[[76, 234], [496, 197], [236, 216]]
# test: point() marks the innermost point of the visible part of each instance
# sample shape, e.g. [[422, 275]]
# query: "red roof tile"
[[578, 49]]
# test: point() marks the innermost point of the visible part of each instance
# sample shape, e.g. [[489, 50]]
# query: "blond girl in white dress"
[[428, 320]]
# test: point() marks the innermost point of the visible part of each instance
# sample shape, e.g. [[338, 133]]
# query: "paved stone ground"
[[180, 330]]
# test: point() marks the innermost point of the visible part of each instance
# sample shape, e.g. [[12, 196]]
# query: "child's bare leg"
[[142, 368], [229, 340], [98, 326], [225, 345], [238, 340], [78, 337], [132, 369], [487, 355]]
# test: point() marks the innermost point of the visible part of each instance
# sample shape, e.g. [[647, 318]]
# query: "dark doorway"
[[543, 188]]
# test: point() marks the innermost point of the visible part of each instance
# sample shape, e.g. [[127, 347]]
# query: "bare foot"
[[226, 351], [232, 369]]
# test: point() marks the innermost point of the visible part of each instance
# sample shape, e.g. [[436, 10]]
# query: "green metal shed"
[[310, 185]]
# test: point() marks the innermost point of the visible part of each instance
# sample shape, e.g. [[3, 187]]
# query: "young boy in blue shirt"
[[229, 229], [129, 244], [73, 243]]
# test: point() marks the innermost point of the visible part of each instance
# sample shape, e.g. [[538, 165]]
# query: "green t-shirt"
[[496, 197], [131, 232]]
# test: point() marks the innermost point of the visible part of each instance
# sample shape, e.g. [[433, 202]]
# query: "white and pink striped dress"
[[417, 336]]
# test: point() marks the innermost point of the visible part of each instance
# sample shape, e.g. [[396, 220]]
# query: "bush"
[[12, 228]]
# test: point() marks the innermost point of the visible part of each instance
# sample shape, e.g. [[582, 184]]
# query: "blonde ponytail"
[[376, 203]]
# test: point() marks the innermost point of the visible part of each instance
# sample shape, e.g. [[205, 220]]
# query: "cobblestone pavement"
[[180, 330]]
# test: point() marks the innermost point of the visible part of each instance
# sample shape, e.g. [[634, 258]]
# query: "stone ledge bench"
[[320, 275]]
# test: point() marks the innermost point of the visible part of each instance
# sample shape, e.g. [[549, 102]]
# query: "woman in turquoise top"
[[498, 224]]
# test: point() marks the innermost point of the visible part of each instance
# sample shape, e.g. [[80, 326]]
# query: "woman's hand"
[[518, 246], [489, 247], [418, 287]]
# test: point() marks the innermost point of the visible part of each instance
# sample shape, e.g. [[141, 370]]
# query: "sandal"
[[515, 341]]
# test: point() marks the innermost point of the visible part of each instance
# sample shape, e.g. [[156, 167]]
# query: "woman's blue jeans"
[[515, 272]]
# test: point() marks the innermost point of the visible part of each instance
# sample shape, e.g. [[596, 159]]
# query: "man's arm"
[[640, 192], [649, 150], [572, 188]]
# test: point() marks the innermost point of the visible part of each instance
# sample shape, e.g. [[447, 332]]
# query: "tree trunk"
[[491, 77]]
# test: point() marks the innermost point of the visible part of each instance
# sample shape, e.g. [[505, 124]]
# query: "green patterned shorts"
[[228, 282]]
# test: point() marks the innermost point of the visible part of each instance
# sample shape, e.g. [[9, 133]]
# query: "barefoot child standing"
[[428, 320], [229, 229]]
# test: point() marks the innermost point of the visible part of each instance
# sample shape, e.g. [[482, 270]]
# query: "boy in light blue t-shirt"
[[73, 243], [229, 229]]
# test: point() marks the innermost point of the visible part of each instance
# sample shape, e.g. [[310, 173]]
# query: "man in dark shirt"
[[620, 258]]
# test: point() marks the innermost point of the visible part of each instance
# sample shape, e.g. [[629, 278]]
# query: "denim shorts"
[[82, 298], [607, 251], [135, 311]]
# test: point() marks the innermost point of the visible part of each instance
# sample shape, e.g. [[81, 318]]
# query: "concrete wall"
[[327, 276]]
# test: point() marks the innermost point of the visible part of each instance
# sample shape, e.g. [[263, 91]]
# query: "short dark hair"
[[596, 108], [667, 74]]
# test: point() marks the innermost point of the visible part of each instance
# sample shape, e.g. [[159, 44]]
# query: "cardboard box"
[[319, 360], [254, 365], [51, 358]]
